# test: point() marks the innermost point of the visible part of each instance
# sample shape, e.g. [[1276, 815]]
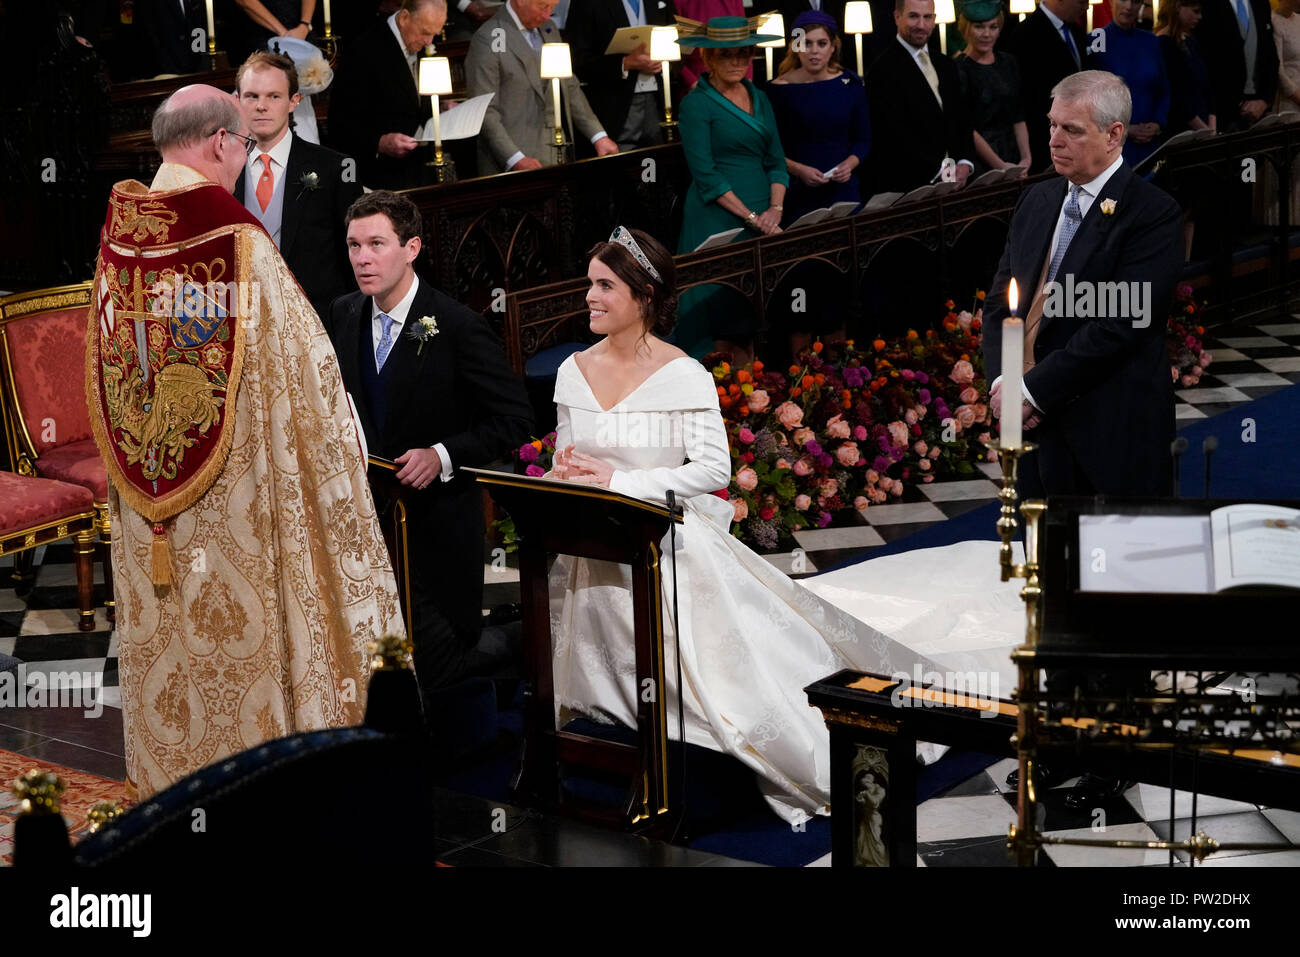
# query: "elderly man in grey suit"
[[505, 59]]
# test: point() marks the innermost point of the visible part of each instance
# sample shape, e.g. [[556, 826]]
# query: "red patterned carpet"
[[83, 791]]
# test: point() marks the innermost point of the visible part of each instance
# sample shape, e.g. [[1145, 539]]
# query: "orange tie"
[[264, 184]]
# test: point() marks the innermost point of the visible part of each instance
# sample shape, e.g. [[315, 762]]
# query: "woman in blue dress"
[[822, 114], [738, 178], [1135, 56]]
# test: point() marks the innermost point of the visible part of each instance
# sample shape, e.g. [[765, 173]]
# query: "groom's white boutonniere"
[[1108, 207], [423, 330], [308, 181]]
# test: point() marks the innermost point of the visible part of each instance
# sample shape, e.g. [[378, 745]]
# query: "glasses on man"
[[249, 142]]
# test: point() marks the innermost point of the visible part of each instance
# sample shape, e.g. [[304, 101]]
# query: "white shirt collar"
[[510, 9], [1094, 187], [1056, 21], [399, 312], [279, 154], [401, 44]]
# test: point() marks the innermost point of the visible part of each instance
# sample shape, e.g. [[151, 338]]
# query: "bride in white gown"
[[637, 415]]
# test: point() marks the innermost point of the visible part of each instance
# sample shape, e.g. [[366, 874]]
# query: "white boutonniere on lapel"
[[1108, 207], [423, 330], [308, 181]]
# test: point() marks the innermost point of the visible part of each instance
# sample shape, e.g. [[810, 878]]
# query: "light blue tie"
[[534, 40], [636, 8], [1069, 43], [1243, 16], [386, 341], [1073, 217]]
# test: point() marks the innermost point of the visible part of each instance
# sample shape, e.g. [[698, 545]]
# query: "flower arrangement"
[[845, 428], [537, 455], [1188, 358]]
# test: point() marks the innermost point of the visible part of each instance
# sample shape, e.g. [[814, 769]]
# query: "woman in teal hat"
[[990, 84], [738, 176]]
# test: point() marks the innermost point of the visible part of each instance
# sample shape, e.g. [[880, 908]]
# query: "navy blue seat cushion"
[[546, 364]]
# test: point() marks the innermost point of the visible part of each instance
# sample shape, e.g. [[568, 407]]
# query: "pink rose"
[[1197, 370], [981, 411], [920, 447], [1206, 359], [791, 415], [782, 464], [801, 467], [965, 416], [962, 373], [758, 400], [920, 412], [897, 489], [872, 476], [740, 509], [969, 395], [964, 319], [876, 495], [934, 452], [861, 503], [886, 483], [801, 502], [829, 487], [898, 434], [837, 428], [803, 436], [848, 454], [1188, 381], [860, 432], [910, 417], [924, 465], [747, 479], [927, 478], [746, 436]]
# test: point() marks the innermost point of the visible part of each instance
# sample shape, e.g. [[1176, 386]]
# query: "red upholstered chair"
[[43, 399], [36, 511]]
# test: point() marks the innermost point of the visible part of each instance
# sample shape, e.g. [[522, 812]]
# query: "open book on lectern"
[[1230, 547], [585, 489]]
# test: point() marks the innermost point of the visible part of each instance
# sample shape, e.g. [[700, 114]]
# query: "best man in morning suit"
[[1098, 387], [434, 405], [505, 59], [297, 190], [375, 105], [918, 115]]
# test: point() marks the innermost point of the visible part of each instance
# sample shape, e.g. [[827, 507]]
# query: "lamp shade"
[[435, 76], [556, 62], [772, 24], [663, 44], [944, 11], [857, 17], [1022, 6]]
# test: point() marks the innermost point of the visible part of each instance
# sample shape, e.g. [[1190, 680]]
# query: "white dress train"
[[752, 638]]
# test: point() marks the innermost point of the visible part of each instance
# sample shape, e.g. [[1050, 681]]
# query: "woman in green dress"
[[738, 177]]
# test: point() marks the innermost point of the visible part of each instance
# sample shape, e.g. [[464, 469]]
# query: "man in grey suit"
[[505, 59]]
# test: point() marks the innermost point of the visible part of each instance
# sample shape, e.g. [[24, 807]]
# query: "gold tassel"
[[162, 557]]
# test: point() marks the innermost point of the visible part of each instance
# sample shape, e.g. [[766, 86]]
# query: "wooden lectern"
[[553, 517]]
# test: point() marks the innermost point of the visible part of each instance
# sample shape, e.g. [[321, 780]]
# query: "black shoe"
[[503, 614], [1092, 791], [1048, 776]]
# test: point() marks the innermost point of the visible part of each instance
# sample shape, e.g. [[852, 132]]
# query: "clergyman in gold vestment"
[[250, 567]]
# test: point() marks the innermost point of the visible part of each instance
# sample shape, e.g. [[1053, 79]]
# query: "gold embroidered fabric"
[[281, 573]]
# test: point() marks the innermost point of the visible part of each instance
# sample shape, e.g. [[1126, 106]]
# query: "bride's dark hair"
[[658, 299]]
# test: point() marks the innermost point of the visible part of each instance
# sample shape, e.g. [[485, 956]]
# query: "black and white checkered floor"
[[967, 825]]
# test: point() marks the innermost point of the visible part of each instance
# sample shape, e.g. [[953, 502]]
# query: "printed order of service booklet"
[[1232, 546]]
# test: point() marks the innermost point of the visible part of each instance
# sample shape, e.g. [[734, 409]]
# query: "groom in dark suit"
[[1097, 255], [297, 190], [434, 393]]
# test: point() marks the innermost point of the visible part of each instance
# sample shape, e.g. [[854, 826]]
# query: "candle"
[[768, 58], [857, 45], [212, 30], [555, 96], [1013, 360], [668, 97], [437, 125], [1090, 18], [327, 16]]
